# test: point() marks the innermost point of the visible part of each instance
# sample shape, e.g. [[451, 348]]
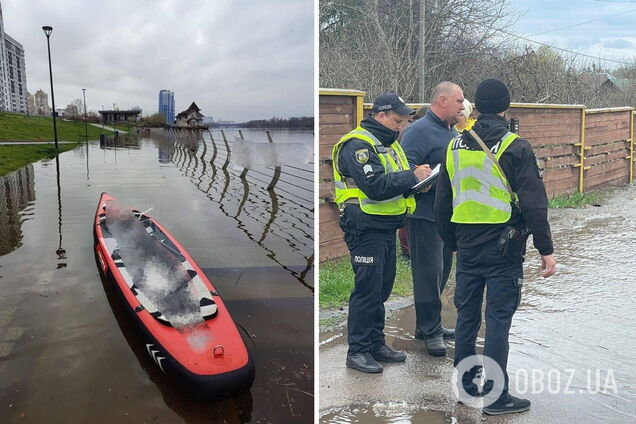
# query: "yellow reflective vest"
[[346, 189], [480, 195]]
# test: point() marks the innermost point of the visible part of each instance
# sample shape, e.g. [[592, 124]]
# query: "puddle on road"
[[66, 354], [568, 329], [383, 413]]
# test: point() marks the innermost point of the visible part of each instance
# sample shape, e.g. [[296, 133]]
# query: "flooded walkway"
[[68, 354], [572, 339]]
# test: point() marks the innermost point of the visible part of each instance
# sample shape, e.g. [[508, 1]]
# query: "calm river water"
[[68, 354]]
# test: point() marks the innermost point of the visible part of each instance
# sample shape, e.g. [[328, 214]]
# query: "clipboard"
[[425, 182]]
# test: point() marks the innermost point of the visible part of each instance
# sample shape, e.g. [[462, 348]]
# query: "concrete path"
[[570, 334], [10, 142], [418, 389]]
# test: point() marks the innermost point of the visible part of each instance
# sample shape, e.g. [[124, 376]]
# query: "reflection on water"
[[65, 358], [285, 211], [60, 252], [120, 142], [385, 413], [16, 196], [583, 318]]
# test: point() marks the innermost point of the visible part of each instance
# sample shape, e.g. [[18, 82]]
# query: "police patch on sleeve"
[[362, 156]]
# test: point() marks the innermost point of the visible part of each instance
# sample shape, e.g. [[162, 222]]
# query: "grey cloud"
[[238, 60], [618, 44]]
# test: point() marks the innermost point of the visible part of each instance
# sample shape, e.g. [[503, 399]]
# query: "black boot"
[[448, 333], [386, 354], [435, 345], [507, 404], [363, 362]]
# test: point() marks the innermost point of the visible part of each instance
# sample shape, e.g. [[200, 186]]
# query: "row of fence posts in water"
[[194, 134], [277, 170]]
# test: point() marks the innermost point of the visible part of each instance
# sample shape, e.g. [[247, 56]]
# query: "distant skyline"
[[610, 35], [237, 60]]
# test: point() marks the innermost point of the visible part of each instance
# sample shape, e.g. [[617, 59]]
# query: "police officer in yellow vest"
[[371, 176], [484, 211]]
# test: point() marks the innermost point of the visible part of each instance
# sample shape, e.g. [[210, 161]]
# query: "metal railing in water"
[[273, 206]]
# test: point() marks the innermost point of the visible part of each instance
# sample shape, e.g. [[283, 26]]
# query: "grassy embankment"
[[336, 276], [15, 157], [36, 128], [578, 200], [14, 127]]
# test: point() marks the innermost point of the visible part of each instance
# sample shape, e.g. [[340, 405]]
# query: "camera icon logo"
[[477, 381]]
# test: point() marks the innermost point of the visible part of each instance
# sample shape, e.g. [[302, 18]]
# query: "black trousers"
[[430, 265], [478, 268], [373, 260]]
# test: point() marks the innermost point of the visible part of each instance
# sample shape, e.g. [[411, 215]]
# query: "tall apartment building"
[[41, 103], [16, 71], [31, 104], [13, 88], [166, 105], [4, 99]]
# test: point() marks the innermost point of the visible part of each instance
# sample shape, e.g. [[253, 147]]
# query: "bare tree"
[[376, 45]]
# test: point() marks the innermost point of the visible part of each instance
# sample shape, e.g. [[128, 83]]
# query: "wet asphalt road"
[[569, 328]]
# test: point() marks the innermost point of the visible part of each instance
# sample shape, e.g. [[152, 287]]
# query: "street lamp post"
[[47, 31], [85, 118]]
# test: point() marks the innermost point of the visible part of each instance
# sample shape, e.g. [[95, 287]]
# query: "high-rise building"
[[4, 100], [16, 71], [41, 103], [13, 88], [30, 104], [166, 105]]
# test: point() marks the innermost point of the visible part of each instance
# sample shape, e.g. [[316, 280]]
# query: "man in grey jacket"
[[425, 142]]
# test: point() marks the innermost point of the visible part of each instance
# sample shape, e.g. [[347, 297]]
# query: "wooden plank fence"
[[579, 149]]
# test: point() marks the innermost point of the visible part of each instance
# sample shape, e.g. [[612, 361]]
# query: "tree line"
[[304, 122], [409, 46]]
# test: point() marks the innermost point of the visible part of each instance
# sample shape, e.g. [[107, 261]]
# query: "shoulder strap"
[[359, 131], [494, 160]]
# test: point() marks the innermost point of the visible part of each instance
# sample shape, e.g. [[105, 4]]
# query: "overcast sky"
[[612, 35], [237, 60]]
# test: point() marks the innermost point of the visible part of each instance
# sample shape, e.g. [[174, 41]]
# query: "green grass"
[[336, 281], [15, 157], [578, 200], [37, 128]]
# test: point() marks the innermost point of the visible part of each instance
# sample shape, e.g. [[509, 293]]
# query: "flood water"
[[572, 349], [67, 351]]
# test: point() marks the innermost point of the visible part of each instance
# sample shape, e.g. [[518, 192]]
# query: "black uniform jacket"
[[522, 171], [358, 160]]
